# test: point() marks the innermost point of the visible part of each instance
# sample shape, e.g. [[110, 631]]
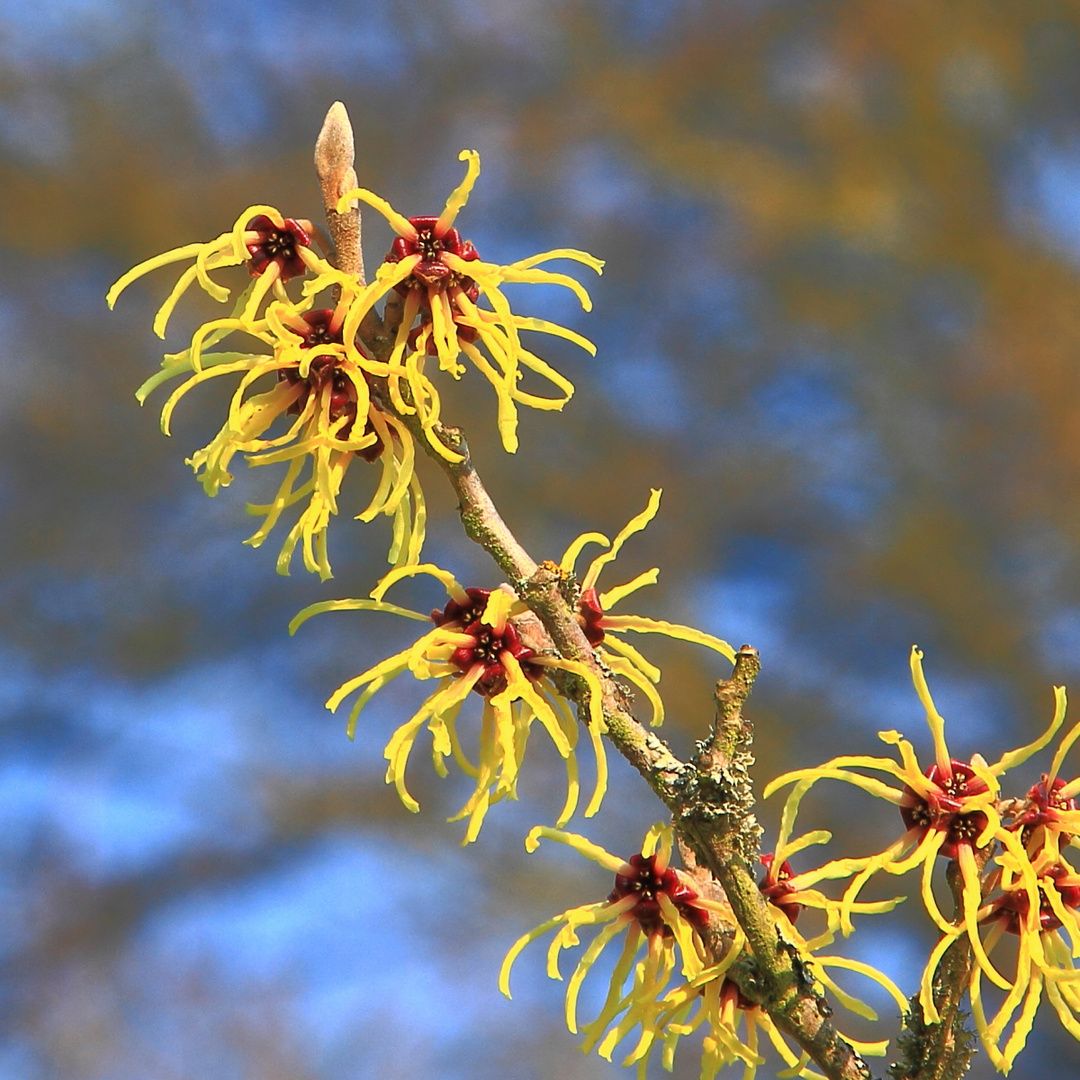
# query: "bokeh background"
[[838, 326]]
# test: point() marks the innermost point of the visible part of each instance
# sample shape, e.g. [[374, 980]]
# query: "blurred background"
[[838, 325]]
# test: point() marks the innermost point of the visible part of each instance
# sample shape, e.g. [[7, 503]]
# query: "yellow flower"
[[716, 1006], [660, 913], [311, 382], [476, 646], [719, 1010], [1036, 901], [950, 809], [442, 278], [274, 249], [1049, 813], [602, 628]]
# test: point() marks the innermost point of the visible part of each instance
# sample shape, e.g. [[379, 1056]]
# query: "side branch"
[[716, 814], [942, 1051]]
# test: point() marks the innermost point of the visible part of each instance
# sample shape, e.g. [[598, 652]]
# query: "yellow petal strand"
[[189, 384], [610, 598], [788, 815], [460, 195], [929, 851], [1066, 743], [926, 991], [613, 644], [934, 719], [640, 625], [833, 771], [1015, 757], [579, 843], [449, 582], [516, 949], [690, 950], [634, 525], [1061, 1007], [972, 898], [401, 742], [600, 753], [497, 609], [507, 415], [544, 369], [870, 972], [398, 222], [352, 605], [524, 690], [188, 251], [848, 1001], [164, 313], [614, 1000], [399, 661], [570, 556], [561, 253], [1022, 1027], [793, 847], [542, 326], [573, 791], [629, 671], [589, 957]]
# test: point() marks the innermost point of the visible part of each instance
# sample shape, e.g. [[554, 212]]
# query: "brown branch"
[[716, 814], [943, 1051], [710, 799]]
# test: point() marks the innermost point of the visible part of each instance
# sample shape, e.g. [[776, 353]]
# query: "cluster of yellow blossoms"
[[481, 642], [313, 394], [304, 369], [663, 916], [1016, 881]]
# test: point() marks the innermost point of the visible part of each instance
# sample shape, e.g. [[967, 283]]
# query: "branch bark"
[[710, 798]]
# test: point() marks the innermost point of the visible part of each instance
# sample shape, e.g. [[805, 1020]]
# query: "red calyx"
[[943, 809], [1042, 808], [590, 615], [275, 245], [646, 884], [431, 272], [325, 369], [774, 886], [1012, 908], [487, 647]]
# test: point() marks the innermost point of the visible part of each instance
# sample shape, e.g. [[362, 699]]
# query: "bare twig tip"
[[335, 151]]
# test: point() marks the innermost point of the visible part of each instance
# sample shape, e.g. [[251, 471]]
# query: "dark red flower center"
[[325, 370], [590, 615], [274, 245], [943, 809], [432, 273], [1012, 908], [774, 886], [488, 646], [1043, 807], [646, 883]]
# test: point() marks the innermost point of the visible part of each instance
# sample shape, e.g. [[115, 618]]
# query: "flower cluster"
[[325, 398], [663, 916], [322, 378], [1014, 880], [475, 646], [441, 278], [313, 397]]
